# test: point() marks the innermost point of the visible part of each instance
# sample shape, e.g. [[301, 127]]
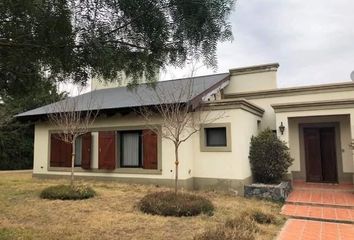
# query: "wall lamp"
[[281, 128]]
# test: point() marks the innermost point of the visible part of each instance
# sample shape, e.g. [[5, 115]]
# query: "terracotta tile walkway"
[[296, 229], [321, 211], [329, 198], [301, 185]]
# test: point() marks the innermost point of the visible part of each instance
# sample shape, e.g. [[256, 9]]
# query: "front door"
[[320, 154]]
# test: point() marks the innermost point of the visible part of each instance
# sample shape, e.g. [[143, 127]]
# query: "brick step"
[[296, 229], [319, 205], [349, 190], [319, 213], [306, 186], [322, 198]]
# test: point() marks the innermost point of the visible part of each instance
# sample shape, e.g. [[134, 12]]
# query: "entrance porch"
[[320, 138]]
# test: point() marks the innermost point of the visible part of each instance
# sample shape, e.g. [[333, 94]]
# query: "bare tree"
[[73, 117], [179, 113]]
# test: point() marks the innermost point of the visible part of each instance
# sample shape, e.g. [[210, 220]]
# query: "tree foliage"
[[16, 138], [75, 39], [43, 42]]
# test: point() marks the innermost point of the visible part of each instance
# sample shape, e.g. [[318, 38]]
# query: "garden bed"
[[275, 192]]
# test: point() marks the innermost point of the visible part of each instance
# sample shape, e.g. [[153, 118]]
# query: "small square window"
[[216, 137]]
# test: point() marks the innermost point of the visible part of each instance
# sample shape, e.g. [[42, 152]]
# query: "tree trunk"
[[73, 162], [176, 170]]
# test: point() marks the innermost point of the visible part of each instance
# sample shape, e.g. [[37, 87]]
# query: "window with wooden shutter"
[[130, 149], [86, 156], [107, 150], [60, 152], [78, 151], [149, 149]]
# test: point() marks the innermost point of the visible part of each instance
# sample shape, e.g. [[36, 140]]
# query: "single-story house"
[[316, 122]]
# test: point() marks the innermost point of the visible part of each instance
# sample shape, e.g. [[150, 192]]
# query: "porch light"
[[281, 128]]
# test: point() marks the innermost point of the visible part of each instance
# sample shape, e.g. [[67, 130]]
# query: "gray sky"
[[312, 40]]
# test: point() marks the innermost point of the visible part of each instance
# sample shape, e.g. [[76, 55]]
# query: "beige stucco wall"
[[41, 149], [193, 162], [234, 164], [250, 83], [268, 119], [257, 81]]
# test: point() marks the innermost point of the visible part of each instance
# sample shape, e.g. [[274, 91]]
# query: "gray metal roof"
[[142, 95]]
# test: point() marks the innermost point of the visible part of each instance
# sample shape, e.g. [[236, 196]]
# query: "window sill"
[[117, 170], [215, 149]]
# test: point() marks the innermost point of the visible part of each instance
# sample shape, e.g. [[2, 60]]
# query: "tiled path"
[[319, 211], [319, 197], [296, 229]]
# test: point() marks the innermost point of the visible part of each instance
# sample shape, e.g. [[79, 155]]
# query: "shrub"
[[238, 228], [171, 204], [66, 192], [269, 158]]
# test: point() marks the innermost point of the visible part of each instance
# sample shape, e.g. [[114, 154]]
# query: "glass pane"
[[130, 151], [216, 137], [78, 151]]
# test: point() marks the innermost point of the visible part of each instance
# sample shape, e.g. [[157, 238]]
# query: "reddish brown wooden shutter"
[[86, 151], [149, 149], [60, 152], [55, 148], [107, 150]]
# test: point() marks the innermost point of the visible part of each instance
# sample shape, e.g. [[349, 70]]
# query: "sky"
[[312, 40]]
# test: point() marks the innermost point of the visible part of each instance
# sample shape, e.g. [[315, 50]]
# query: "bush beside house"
[[269, 158]]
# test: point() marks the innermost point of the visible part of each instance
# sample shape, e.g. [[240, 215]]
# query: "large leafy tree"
[[43, 42], [76, 39]]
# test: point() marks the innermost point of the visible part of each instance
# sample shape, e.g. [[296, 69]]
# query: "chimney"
[[253, 78]]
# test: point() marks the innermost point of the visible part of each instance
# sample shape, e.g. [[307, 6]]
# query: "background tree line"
[[45, 42]]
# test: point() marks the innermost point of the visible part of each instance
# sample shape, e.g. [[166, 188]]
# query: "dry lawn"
[[111, 215]]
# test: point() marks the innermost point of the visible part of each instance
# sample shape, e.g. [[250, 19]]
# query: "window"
[[78, 151], [138, 149], [215, 137], [130, 149]]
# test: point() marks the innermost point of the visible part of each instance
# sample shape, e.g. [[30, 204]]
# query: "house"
[[317, 123]]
